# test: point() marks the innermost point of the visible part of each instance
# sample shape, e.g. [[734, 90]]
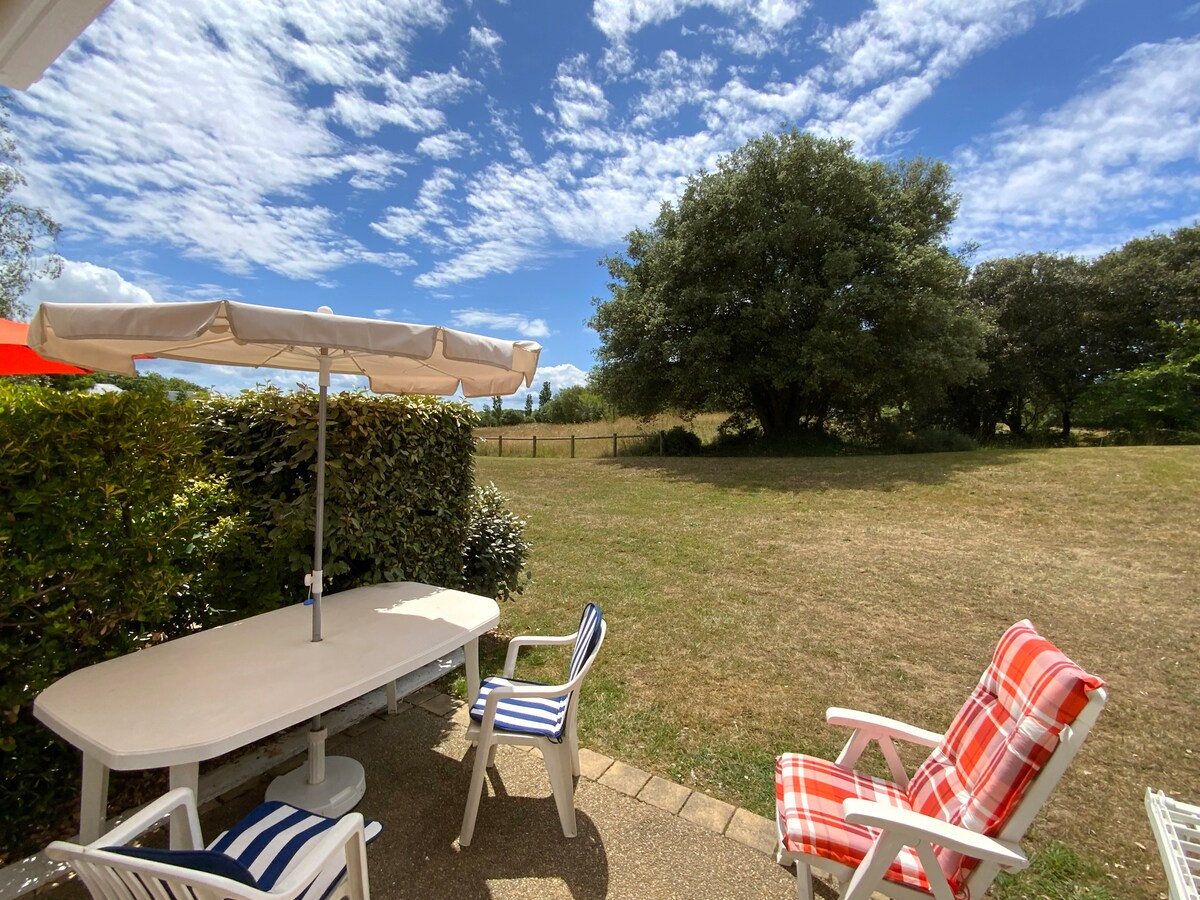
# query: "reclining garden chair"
[[508, 711], [277, 852], [949, 830]]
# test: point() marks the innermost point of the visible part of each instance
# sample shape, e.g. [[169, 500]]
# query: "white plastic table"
[[197, 697]]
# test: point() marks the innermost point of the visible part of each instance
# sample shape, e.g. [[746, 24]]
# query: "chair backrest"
[[1023, 724], [114, 876], [587, 640]]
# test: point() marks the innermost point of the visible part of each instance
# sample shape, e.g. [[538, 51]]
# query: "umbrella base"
[[344, 784]]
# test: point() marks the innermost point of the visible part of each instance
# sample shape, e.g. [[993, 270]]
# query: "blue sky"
[[468, 163]]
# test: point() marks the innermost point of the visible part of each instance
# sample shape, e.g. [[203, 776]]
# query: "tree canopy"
[[23, 231], [795, 281]]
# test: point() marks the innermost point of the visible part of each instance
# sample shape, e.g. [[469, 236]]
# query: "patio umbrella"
[[396, 357], [16, 358]]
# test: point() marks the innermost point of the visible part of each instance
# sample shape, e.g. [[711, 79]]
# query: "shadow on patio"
[[418, 767]]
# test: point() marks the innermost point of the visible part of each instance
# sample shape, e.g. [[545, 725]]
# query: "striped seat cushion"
[[808, 798], [542, 716], [275, 836]]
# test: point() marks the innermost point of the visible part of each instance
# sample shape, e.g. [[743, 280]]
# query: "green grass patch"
[[745, 596]]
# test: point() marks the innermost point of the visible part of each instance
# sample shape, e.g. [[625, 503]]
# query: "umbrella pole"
[[318, 530]]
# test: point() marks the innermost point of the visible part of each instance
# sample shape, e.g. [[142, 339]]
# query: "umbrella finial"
[[327, 310]]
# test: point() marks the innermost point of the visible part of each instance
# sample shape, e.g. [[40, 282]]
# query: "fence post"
[[614, 445], [501, 439], [535, 446], [661, 433], [572, 446]]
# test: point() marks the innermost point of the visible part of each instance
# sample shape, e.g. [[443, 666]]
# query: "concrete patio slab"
[[418, 766]]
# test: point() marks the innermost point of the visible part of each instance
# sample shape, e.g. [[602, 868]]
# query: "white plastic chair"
[[528, 713], [330, 865], [1176, 827], [950, 829]]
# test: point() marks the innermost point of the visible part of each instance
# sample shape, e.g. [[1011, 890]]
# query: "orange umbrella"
[[17, 359]]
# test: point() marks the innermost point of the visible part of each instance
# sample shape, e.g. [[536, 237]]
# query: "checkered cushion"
[[274, 836], [808, 798], [999, 740]]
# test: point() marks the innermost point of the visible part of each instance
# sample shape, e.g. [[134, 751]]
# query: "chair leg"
[[804, 885], [558, 767], [474, 792], [491, 763], [573, 741]]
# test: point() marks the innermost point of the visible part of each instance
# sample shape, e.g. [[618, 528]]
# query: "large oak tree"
[[795, 282]]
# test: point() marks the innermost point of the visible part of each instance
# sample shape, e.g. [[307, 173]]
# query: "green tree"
[[573, 405], [1147, 281], [24, 232], [1046, 340], [795, 282], [544, 394], [529, 406], [1161, 394]]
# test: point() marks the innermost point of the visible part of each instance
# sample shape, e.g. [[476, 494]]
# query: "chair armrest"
[[869, 722], [869, 727], [530, 640], [914, 828], [150, 815], [348, 839]]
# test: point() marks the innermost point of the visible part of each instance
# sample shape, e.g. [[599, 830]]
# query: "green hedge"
[[398, 482], [97, 528], [127, 519]]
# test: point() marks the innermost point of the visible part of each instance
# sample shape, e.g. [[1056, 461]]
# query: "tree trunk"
[[778, 410], [1066, 423]]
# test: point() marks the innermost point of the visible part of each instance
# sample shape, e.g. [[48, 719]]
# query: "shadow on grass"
[[811, 473]]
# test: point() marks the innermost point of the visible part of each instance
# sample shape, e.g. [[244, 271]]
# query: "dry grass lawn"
[[593, 439], [747, 595]]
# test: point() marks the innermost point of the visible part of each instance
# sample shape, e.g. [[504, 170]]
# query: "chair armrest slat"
[[875, 725], [531, 640], [913, 828]]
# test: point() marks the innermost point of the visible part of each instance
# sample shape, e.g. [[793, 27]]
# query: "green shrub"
[[933, 440], [679, 441], [495, 549], [98, 537]]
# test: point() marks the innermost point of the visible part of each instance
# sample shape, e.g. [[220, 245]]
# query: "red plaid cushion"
[[808, 798], [1001, 738]]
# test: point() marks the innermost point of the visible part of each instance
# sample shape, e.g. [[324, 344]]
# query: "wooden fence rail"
[[500, 440]]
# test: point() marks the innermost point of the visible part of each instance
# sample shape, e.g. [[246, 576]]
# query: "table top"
[[207, 693]]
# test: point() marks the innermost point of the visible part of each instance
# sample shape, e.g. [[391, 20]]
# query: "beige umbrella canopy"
[[396, 357]]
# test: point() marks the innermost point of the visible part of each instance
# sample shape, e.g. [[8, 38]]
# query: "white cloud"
[[446, 145], [1113, 153], [619, 19], [560, 376], [485, 38], [489, 321], [84, 282], [203, 138]]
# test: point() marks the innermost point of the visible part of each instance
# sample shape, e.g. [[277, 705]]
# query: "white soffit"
[[34, 32]]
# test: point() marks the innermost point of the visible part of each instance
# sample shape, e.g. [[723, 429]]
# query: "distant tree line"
[[570, 405], [808, 291]]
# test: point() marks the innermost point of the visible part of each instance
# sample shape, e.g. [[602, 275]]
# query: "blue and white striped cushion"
[[274, 835], [587, 638], [544, 716]]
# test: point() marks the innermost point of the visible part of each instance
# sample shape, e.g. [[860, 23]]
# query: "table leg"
[[93, 805], [471, 664], [186, 775]]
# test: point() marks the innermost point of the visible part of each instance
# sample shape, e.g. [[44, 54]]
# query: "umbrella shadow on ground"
[[818, 474]]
